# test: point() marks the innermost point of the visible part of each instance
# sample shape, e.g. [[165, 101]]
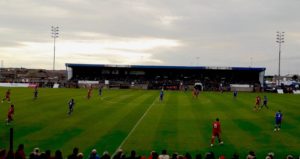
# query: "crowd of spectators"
[[119, 154]]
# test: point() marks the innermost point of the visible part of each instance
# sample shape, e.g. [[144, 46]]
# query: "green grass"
[[180, 123]]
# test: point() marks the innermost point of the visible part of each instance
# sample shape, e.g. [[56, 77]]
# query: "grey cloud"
[[220, 32]]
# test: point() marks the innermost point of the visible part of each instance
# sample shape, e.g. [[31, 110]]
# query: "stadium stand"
[[170, 77]]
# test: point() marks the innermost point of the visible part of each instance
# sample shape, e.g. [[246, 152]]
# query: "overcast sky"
[[239, 33]]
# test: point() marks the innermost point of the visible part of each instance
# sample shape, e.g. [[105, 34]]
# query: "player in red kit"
[[7, 96], [257, 103], [10, 114], [216, 132], [89, 92], [196, 92]]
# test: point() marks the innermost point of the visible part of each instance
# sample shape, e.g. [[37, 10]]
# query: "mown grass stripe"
[[135, 126]]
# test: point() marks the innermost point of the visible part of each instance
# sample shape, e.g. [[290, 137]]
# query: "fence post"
[[10, 154]]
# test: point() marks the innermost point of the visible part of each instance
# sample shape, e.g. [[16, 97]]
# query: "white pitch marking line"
[[135, 126]]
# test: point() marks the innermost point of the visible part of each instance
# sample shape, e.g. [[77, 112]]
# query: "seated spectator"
[[251, 155], [164, 155], [20, 154]]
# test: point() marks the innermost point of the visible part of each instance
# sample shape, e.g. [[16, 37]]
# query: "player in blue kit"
[[235, 93], [161, 95], [100, 90], [35, 93], [278, 119], [265, 103], [71, 106]]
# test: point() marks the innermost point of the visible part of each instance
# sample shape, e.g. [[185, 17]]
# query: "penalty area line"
[[135, 126]]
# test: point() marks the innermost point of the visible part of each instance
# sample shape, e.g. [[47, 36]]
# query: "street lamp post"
[[279, 40], [54, 35]]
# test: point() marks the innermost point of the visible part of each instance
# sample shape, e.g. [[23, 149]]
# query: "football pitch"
[[137, 120]]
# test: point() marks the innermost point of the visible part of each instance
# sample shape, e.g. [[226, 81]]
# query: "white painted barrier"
[[296, 91], [14, 84], [56, 85], [88, 82], [280, 91]]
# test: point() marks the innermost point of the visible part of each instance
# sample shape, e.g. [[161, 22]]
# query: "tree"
[[295, 77]]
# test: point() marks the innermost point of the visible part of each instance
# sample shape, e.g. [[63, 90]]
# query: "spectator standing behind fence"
[[153, 155], [94, 154], [20, 154], [48, 154], [80, 155], [118, 154], [105, 155], [251, 155], [174, 155], [133, 155], [198, 156], [209, 155], [164, 155], [2, 153], [58, 155], [74, 154]]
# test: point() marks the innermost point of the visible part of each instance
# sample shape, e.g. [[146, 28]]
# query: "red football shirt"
[[216, 127], [11, 111], [257, 100], [7, 94]]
